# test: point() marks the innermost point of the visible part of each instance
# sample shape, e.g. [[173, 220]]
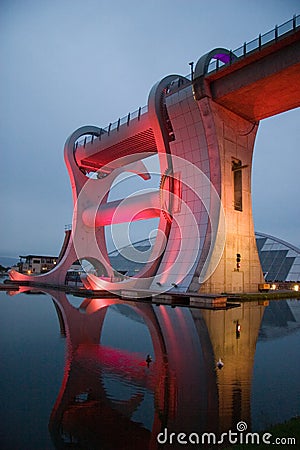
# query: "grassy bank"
[[271, 295]]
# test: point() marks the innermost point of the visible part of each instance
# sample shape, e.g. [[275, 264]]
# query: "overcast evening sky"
[[68, 63]]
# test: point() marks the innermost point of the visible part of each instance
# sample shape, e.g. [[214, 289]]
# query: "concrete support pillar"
[[230, 143]]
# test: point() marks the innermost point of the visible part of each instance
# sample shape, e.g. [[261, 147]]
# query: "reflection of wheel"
[[106, 375]]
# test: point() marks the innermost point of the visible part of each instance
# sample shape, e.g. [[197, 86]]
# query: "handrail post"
[[139, 113], [276, 32], [244, 49], [191, 64], [294, 22], [118, 126], [84, 142], [259, 41], [109, 127], [128, 119]]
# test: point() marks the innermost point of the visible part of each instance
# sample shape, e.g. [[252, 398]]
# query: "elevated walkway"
[[257, 80], [132, 136], [262, 84]]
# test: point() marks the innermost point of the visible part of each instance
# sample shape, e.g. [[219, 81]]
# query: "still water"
[[74, 371]]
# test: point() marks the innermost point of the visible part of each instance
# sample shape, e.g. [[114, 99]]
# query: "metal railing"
[[112, 126], [239, 53], [258, 43]]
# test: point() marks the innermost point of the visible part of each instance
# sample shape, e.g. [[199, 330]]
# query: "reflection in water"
[[275, 386], [112, 398], [233, 336]]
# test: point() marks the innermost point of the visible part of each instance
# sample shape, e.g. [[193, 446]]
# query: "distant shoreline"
[[8, 261]]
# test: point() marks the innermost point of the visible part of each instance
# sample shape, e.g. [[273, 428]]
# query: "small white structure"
[[34, 264]]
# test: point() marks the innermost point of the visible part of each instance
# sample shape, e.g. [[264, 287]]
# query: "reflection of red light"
[[128, 365], [97, 303]]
